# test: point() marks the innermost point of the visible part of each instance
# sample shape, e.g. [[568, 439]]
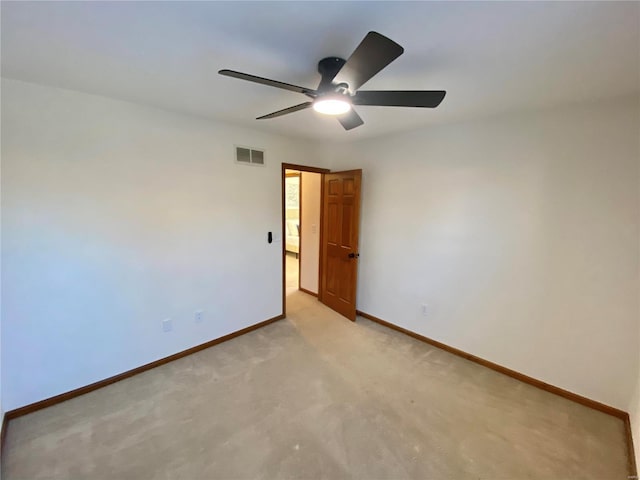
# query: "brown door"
[[339, 241]]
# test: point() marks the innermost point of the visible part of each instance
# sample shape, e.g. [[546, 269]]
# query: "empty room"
[[337, 240]]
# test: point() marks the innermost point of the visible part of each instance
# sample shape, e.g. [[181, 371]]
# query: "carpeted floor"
[[291, 278], [316, 396]]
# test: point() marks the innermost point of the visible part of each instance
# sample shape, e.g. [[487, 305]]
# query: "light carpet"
[[317, 396]]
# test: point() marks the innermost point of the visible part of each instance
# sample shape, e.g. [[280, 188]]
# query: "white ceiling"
[[491, 57]]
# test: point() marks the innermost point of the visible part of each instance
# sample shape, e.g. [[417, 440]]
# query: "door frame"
[[300, 168]]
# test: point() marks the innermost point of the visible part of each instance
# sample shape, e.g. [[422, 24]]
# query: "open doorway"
[[292, 199], [302, 200], [320, 232]]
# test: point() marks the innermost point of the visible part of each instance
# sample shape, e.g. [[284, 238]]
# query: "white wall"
[[634, 405], [1, 374], [116, 216], [310, 230], [634, 413], [520, 233]]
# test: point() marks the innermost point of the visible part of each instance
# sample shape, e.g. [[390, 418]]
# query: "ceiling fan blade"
[[392, 98], [373, 54], [350, 120], [265, 81], [284, 111]]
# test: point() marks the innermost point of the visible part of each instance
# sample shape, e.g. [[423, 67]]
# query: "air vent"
[[249, 156]]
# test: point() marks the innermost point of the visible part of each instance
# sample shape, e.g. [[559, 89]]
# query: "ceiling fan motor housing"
[[328, 68]]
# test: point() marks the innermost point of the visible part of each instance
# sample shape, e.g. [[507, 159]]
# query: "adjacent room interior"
[[292, 229], [302, 206], [424, 263]]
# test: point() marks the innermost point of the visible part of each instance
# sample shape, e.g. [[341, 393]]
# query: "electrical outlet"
[[198, 316], [424, 309], [166, 325]]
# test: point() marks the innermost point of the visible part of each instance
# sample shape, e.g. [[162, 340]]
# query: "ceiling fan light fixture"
[[332, 104], [341, 80]]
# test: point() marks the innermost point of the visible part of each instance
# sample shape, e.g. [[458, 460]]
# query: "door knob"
[[354, 255]]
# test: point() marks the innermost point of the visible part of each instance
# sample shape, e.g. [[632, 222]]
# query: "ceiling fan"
[[341, 79]]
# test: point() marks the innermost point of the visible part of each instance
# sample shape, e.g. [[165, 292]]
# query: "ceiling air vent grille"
[[249, 156]]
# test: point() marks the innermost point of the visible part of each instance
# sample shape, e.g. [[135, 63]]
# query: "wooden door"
[[339, 241]]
